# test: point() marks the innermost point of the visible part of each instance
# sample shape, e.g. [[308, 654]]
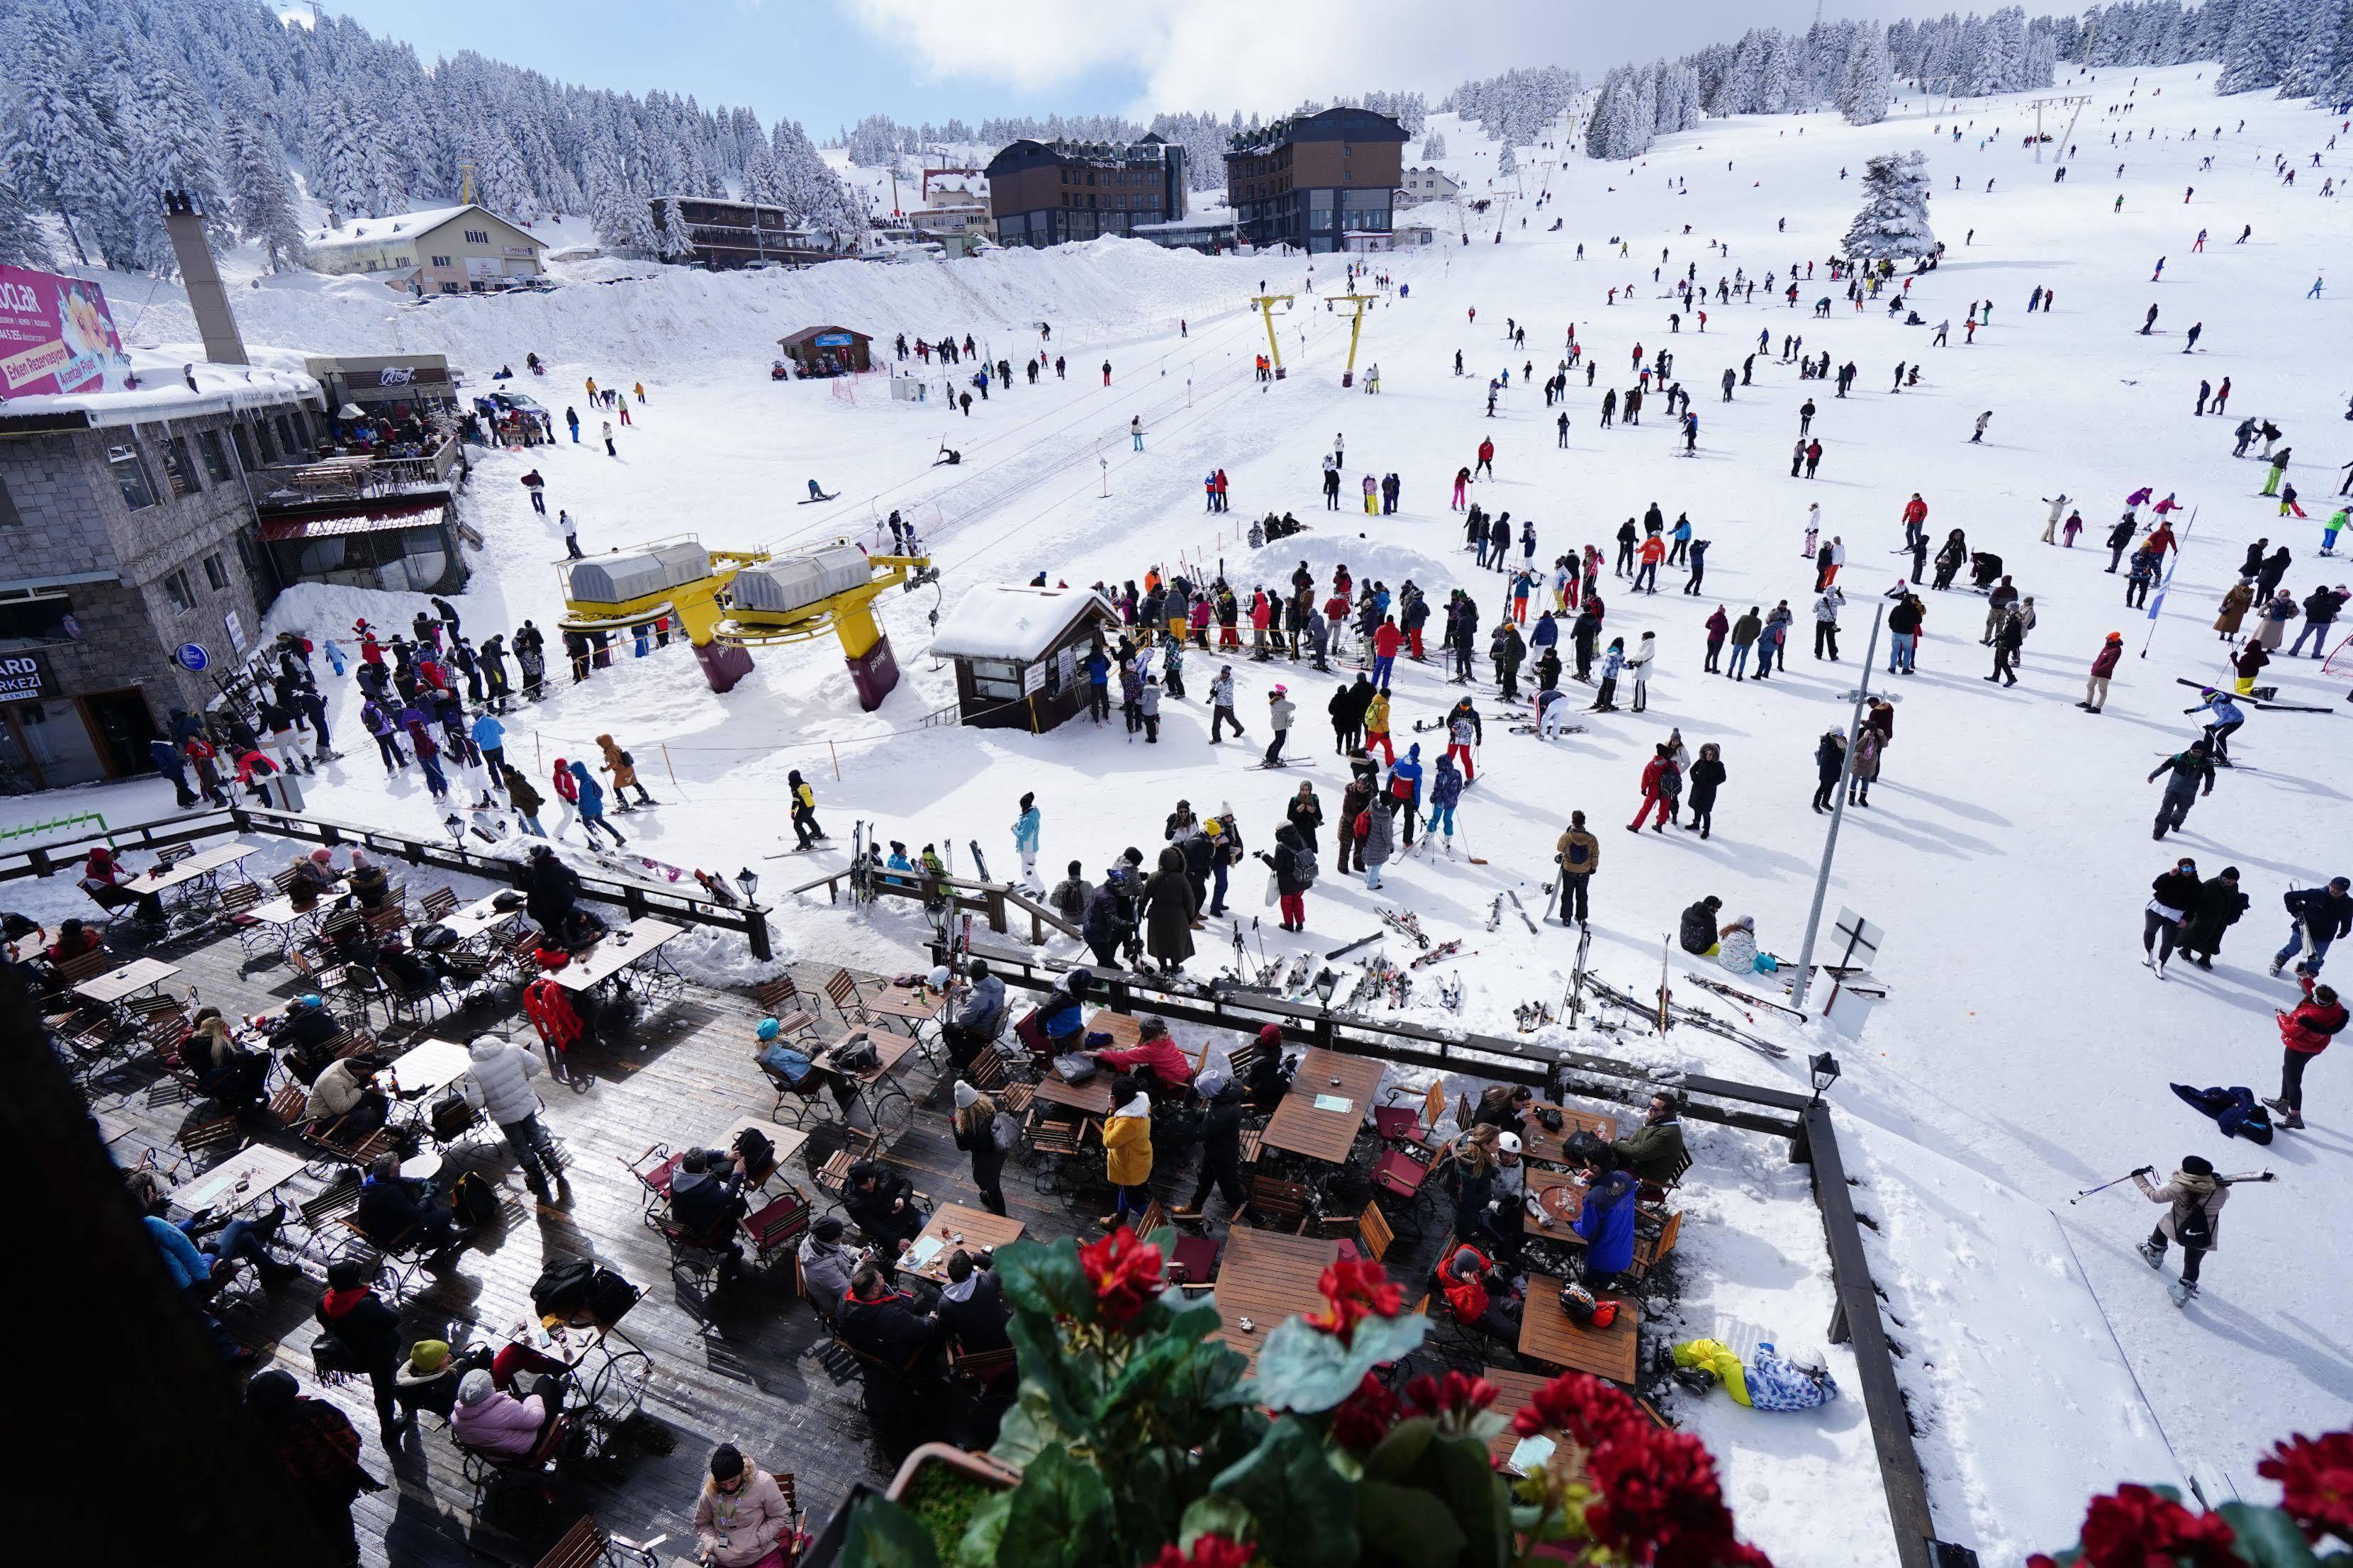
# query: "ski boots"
[[2151, 1254], [2183, 1292]]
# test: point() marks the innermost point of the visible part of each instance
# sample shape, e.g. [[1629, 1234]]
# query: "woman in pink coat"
[[740, 1520]]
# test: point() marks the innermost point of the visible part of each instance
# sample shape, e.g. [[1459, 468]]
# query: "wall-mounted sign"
[[832, 339], [57, 335], [235, 629], [192, 658], [23, 676]]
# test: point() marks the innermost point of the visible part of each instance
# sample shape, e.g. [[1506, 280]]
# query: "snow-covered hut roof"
[[1016, 622], [376, 230]]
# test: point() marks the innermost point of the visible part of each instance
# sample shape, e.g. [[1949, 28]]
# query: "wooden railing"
[[994, 901], [345, 479]]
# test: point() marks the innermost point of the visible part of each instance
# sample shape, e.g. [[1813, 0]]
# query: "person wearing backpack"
[[1578, 856], [1293, 865], [2193, 1216], [499, 1085], [987, 1134], [624, 769], [365, 1330]]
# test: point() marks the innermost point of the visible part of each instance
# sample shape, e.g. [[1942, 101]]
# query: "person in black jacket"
[[395, 1211], [1290, 864], [1222, 1141], [1348, 711], [1106, 925], [2322, 915], [370, 1330], [550, 889], [2220, 905], [1698, 927], [881, 1203], [972, 1310], [706, 1196], [2188, 770], [883, 1322], [975, 1125], [2172, 896]]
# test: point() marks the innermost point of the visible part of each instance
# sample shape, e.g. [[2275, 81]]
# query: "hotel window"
[[215, 572], [177, 467], [440, 262], [131, 477], [208, 447], [178, 589]]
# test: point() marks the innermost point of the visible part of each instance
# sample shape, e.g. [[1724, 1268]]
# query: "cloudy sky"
[[827, 62]]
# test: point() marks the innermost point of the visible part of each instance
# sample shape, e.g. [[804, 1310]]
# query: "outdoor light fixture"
[[749, 881], [1825, 1070], [1325, 983], [455, 827]]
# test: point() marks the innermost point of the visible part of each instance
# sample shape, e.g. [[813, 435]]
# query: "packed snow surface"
[[2022, 1054]]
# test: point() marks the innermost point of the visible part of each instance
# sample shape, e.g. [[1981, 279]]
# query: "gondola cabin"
[[1020, 653]]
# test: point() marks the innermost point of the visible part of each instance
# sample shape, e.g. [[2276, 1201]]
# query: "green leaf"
[[1193, 1319], [1060, 1516], [983, 1531], [1307, 1369], [1215, 1515], [1405, 1524], [1044, 1279], [1394, 1457], [1029, 1427], [1305, 1515], [2268, 1538], [884, 1535], [1477, 1498]]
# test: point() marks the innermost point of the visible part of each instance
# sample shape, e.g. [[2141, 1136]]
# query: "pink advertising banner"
[[55, 335]]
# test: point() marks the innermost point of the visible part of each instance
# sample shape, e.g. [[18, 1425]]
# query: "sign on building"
[[57, 335], [235, 629], [23, 676]]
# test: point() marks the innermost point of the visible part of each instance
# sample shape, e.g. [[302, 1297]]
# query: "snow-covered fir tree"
[[1506, 161], [1432, 146], [22, 241], [261, 197], [1870, 80], [1893, 222], [2264, 38], [675, 243]]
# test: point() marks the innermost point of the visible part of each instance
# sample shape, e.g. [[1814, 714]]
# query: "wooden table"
[[263, 1167], [1519, 1389], [916, 1004], [200, 867], [1540, 1142], [1267, 1276], [282, 918], [981, 1231], [874, 1084], [1561, 1195], [1125, 1029], [1547, 1334], [479, 919], [640, 939], [1301, 1127], [1093, 1097], [787, 1141], [427, 1065], [115, 984]]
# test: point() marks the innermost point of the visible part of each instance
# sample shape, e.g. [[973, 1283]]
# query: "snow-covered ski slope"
[[2023, 1053]]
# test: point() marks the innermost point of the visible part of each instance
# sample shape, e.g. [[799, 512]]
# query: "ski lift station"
[[1020, 653]]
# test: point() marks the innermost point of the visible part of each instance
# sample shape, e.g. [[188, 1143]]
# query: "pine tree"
[[624, 220], [1893, 222], [2263, 37], [2328, 41], [22, 241], [676, 243], [1506, 162], [1433, 146], [261, 197], [171, 132], [53, 136], [1870, 77]]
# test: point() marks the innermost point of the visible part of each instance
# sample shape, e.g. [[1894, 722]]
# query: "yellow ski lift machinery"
[[728, 600], [1266, 304], [1361, 303]]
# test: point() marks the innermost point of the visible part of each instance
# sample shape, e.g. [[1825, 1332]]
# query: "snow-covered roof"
[[371, 231], [1011, 621], [163, 390]]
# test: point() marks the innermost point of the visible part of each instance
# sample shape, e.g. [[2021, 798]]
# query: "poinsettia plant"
[[1142, 1442], [2150, 1527]]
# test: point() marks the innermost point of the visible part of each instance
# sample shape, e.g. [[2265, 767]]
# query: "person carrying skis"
[[2305, 1033], [2321, 915], [2194, 1197], [2189, 769]]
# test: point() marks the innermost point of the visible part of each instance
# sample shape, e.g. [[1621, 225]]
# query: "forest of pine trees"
[[107, 102]]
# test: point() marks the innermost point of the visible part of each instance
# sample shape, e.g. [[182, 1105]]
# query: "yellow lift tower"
[[1266, 304], [728, 600], [1361, 303]]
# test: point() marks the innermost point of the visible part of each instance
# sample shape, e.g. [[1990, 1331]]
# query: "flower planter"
[[941, 1484]]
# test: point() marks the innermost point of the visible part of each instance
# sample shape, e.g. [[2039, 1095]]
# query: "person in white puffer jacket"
[[499, 1085]]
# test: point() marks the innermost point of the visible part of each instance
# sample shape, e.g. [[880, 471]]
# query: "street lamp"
[[749, 881], [1823, 1070], [1327, 983], [455, 827]]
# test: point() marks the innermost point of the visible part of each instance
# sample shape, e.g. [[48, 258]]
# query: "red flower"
[[1354, 1290], [1454, 1399], [1365, 1417], [2042, 1559], [1125, 1274], [2315, 1477], [2137, 1527], [1210, 1552]]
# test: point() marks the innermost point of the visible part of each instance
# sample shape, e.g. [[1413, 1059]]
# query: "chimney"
[[206, 297]]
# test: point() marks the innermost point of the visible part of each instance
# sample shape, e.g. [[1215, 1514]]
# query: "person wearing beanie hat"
[[978, 1016], [368, 1330], [740, 1516], [316, 1447], [428, 1379], [826, 1265], [490, 1421], [1221, 1144], [988, 1135], [1267, 1079], [2193, 1216], [2219, 906]]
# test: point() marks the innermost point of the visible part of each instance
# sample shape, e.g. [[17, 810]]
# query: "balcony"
[[354, 476]]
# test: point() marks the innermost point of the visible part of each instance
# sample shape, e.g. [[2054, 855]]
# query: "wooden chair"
[[1253, 1145], [1277, 1204], [587, 1545], [489, 1473], [654, 1171], [284, 1111], [982, 1367], [341, 1142], [833, 1176], [172, 854], [782, 999], [990, 1073], [89, 966], [1651, 1192], [1192, 1259], [438, 904], [386, 921], [1399, 1124], [811, 1100], [320, 1216], [841, 990], [1652, 1249], [1374, 1235], [777, 1228]]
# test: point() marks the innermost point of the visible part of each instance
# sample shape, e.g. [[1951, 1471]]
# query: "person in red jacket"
[[1915, 519], [2103, 665], [2317, 1020], [1387, 640], [1653, 771], [1487, 459], [1153, 1053]]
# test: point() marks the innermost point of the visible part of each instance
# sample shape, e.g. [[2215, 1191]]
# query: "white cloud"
[[1223, 54]]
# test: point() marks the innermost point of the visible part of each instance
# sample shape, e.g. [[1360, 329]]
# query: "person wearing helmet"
[[2103, 665], [1507, 1210]]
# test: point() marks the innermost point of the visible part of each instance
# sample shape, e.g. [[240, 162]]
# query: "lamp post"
[[1860, 694], [1327, 983], [749, 881], [1822, 1071], [455, 827]]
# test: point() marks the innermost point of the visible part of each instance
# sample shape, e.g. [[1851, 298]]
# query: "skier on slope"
[[2194, 1197]]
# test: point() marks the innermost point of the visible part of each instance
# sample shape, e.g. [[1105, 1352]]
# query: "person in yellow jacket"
[[1377, 727], [1127, 1152], [804, 800]]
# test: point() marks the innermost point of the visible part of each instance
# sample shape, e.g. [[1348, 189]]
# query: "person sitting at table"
[[1221, 1144], [346, 1100], [306, 1033], [883, 1322], [740, 1518], [369, 889], [550, 889], [978, 1017], [1507, 1210], [428, 1379], [1474, 1180], [1153, 1053], [1607, 1220], [490, 1422], [972, 1310], [225, 1069], [74, 940], [396, 1212], [881, 1203], [1269, 1079], [1655, 1152], [418, 974], [314, 874], [1504, 1107], [1059, 1016], [1127, 1150], [706, 1199], [368, 1328], [1479, 1295], [21, 938], [203, 1265], [110, 886], [826, 1265]]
